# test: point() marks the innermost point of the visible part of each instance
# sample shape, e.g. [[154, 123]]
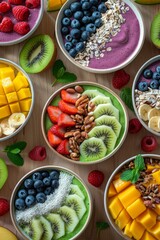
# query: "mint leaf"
[[102, 225], [18, 145], [15, 151], [126, 96], [15, 158], [60, 72], [67, 78], [139, 163], [56, 68], [136, 175], [127, 175]]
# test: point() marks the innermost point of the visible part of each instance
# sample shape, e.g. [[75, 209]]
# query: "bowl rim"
[[141, 69], [109, 70], [15, 65], [60, 168], [26, 36], [81, 84], [105, 202]]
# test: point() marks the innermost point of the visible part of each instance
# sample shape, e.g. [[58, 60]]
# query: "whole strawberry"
[[38, 153], [6, 25], [120, 79], [4, 206], [96, 178]]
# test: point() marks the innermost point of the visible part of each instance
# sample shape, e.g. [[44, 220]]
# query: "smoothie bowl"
[[16, 99], [19, 20], [91, 34], [146, 95], [50, 203], [132, 198], [84, 123]]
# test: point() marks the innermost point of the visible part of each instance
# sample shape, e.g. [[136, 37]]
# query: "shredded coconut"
[[53, 202]]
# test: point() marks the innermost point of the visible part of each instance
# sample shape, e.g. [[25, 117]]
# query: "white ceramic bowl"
[[20, 38], [18, 68], [129, 58]]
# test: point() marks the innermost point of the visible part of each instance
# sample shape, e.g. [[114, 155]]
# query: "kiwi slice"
[[57, 224], [48, 233], [77, 203], [70, 218], [37, 229], [155, 30], [27, 230], [92, 93], [37, 53], [106, 109], [109, 121], [92, 149], [74, 189], [106, 134], [3, 172], [101, 100]]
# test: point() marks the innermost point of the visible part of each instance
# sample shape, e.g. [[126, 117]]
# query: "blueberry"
[[158, 69], [30, 200], [73, 52], [143, 86], [96, 15], [41, 197], [31, 191], [102, 8], [28, 183], [22, 193], [91, 28], [154, 84], [54, 175], [93, 9], [80, 47], [85, 35], [40, 189], [75, 33], [75, 6], [68, 12], [55, 184], [65, 30], [47, 181], [20, 204], [75, 23], [86, 5], [156, 76], [78, 15], [48, 191], [87, 13], [86, 20], [45, 174], [83, 28], [68, 38], [98, 22], [74, 41], [94, 2], [82, 1], [36, 176], [68, 46], [66, 21], [147, 73], [38, 184]]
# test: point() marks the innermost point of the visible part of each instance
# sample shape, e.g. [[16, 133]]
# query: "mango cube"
[[127, 230], [7, 72], [19, 74], [3, 100], [111, 191], [129, 195], [12, 97], [24, 93], [1, 89], [123, 219], [7, 85], [120, 184], [147, 236], [156, 176], [25, 105], [155, 231], [115, 207], [157, 209], [136, 208], [4, 111], [136, 230], [15, 107], [20, 82], [147, 218], [151, 167], [3, 65]]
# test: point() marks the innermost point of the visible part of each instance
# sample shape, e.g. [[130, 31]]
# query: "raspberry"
[[120, 79], [1, 17], [4, 7], [21, 13], [4, 206], [22, 28], [149, 143], [96, 178], [134, 125], [32, 3], [38, 153], [6, 25], [15, 2]]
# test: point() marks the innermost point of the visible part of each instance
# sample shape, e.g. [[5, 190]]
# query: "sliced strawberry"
[[69, 97], [53, 139], [63, 147], [58, 131], [65, 120], [53, 112], [67, 107]]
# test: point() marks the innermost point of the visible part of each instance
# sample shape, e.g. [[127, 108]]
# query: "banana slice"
[[1, 132], [16, 120], [6, 128], [143, 111], [153, 112], [154, 123]]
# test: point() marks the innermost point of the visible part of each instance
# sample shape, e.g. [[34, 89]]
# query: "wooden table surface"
[[33, 136]]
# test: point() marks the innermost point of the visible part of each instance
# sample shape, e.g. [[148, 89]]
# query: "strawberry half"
[[69, 97], [53, 139], [65, 120], [63, 147], [58, 131], [32, 3], [21, 13], [53, 112], [67, 107]]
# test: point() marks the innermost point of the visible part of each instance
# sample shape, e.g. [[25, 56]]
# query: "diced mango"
[[157, 209], [115, 207], [123, 219], [19, 74], [111, 191], [7, 72], [3, 65], [24, 93], [127, 230], [117, 176], [147, 218], [129, 195], [151, 167], [1, 89], [156, 176], [136, 208], [155, 231], [136, 230], [20, 82], [4, 111], [25, 105], [15, 107], [7, 85], [54, 5], [12, 97], [120, 184], [3, 100], [147, 236]]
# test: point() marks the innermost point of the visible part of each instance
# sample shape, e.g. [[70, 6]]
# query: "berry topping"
[[154, 84], [22, 28], [134, 126], [147, 73], [6, 25], [120, 79], [32, 3], [143, 86], [53, 139], [21, 13], [58, 131], [63, 147], [149, 143], [69, 97], [1, 17], [4, 206], [4, 7], [65, 120], [67, 107], [38, 153], [15, 2], [54, 113], [96, 178]]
